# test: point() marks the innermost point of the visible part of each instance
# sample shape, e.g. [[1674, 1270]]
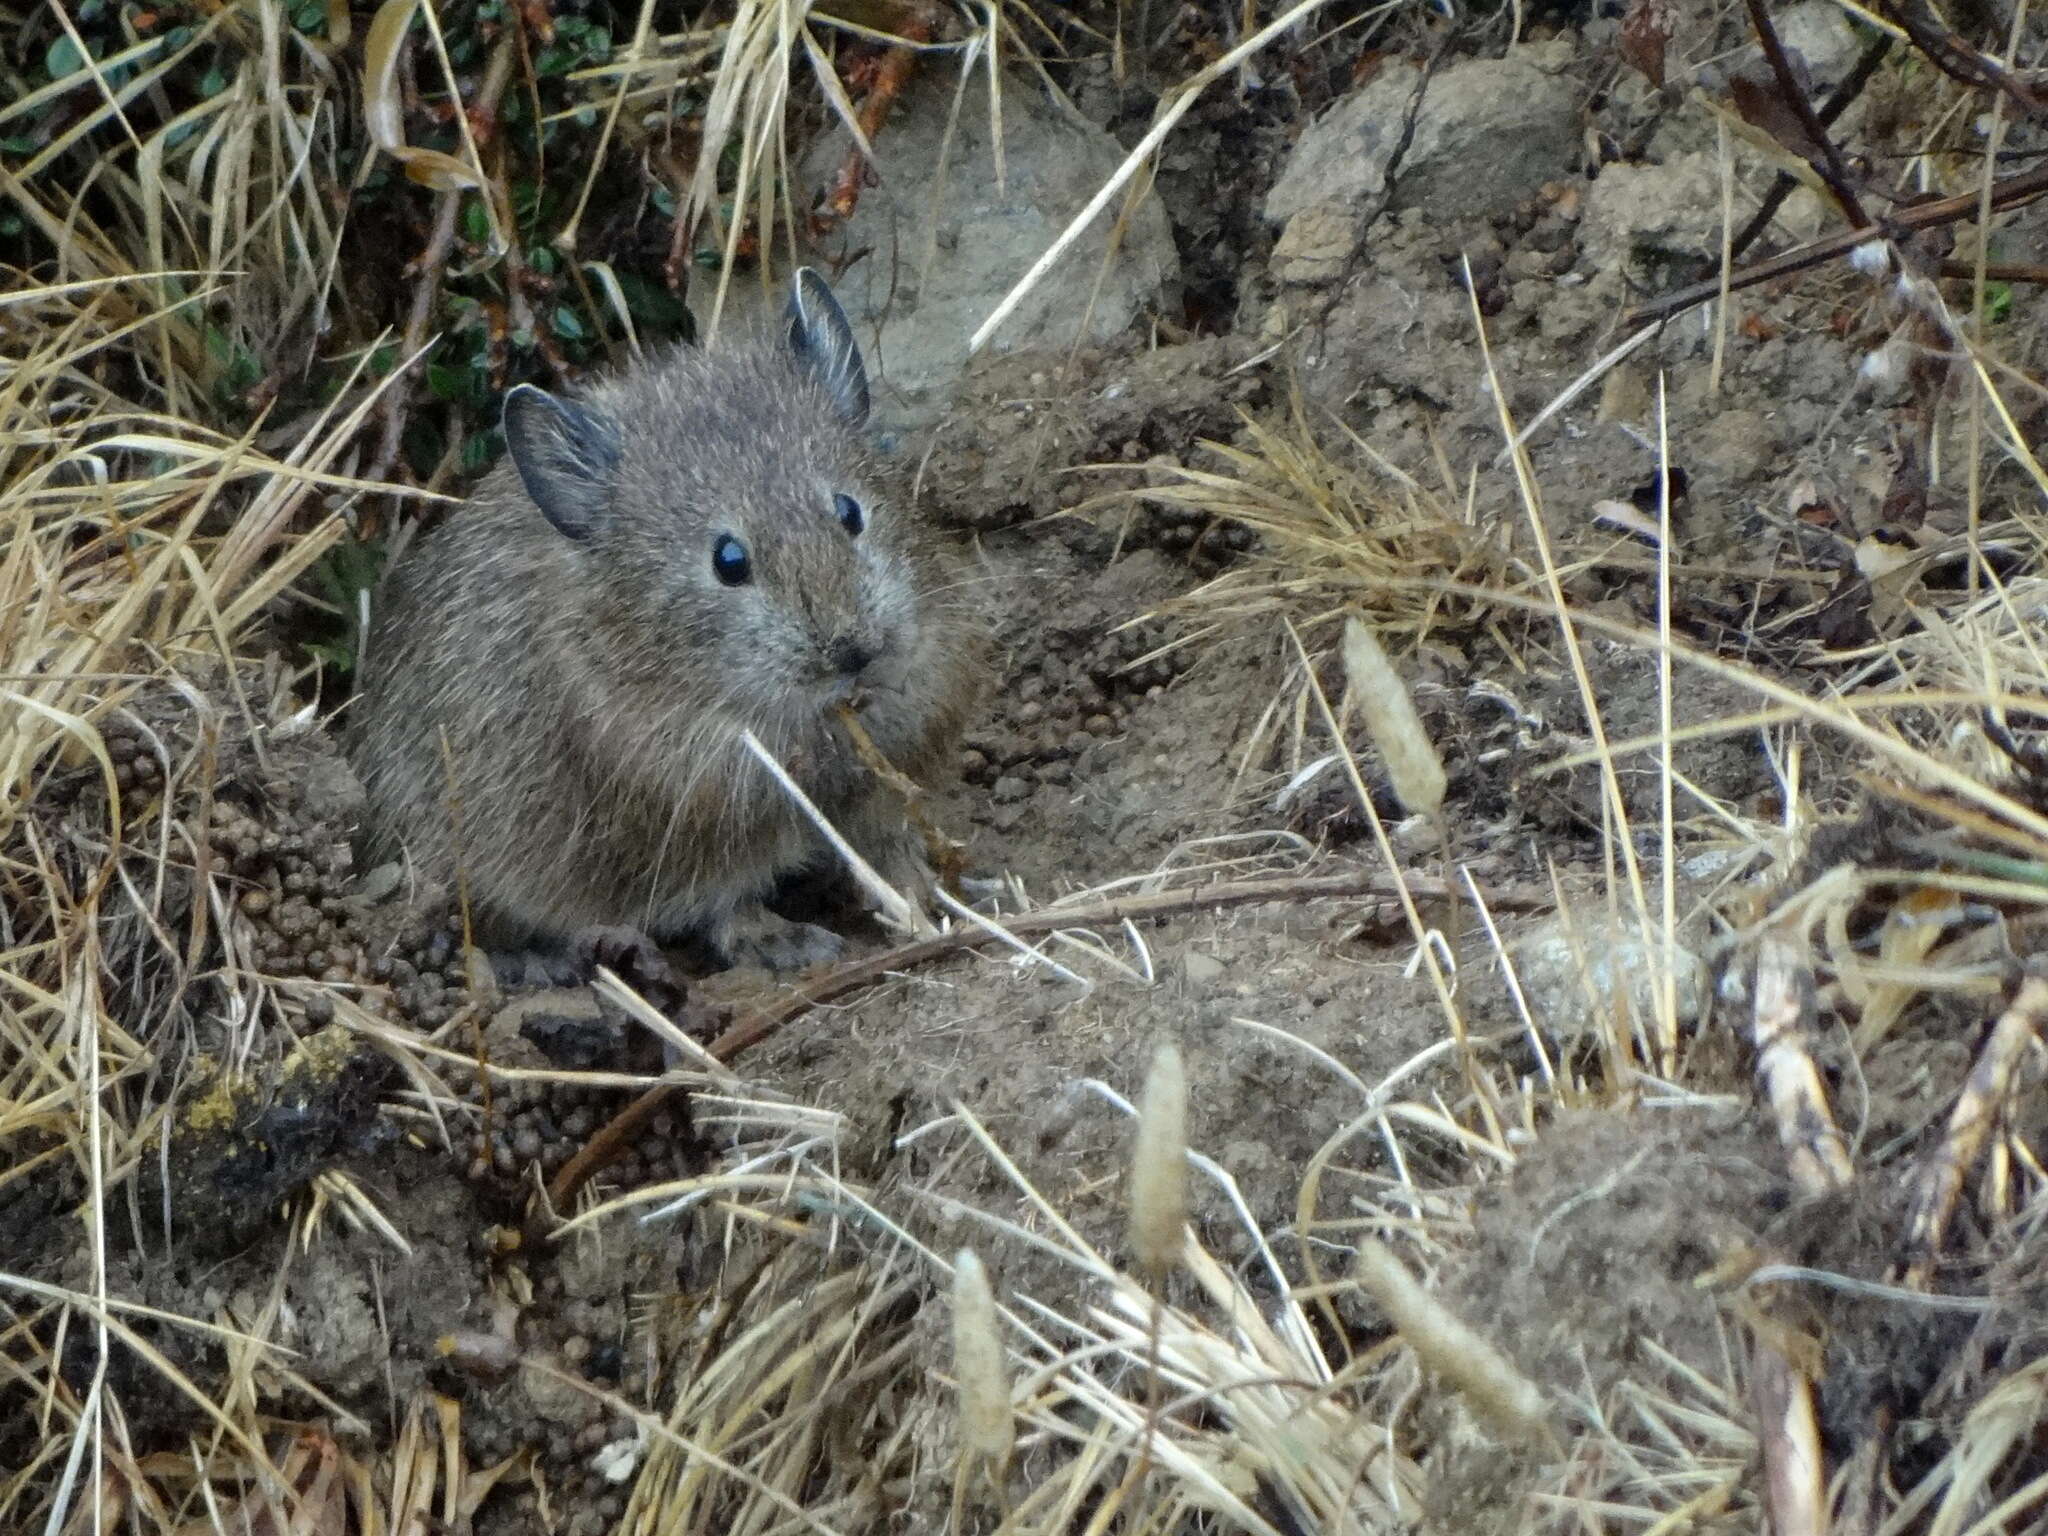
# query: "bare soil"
[[1100, 757]]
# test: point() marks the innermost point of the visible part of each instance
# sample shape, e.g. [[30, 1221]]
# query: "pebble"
[[1010, 789]]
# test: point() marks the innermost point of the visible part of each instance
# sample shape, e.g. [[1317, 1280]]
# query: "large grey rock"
[[940, 244], [1489, 134]]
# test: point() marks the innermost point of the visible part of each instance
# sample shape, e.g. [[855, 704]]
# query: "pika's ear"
[[823, 342], [565, 455]]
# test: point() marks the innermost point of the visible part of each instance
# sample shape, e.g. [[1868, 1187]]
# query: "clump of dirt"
[[1596, 1241], [1588, 1255]]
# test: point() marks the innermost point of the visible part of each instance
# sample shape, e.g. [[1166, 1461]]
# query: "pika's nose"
[[849, 655]]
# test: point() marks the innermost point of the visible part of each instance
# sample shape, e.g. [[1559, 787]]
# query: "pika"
[[558, 677]]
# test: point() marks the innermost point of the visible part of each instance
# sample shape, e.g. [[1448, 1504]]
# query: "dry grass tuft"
[[1340, 533]]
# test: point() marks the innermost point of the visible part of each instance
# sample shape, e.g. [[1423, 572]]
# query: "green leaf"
[[446, 383], [652, 306], [476, 221], [1997, 302], [542, 259], [62, 59], [568, 323], [213, 82]]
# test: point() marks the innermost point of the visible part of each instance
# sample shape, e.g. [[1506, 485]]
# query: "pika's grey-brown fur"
[[558, 676]]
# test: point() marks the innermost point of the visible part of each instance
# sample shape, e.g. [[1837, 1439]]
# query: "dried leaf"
[[383, 111], [1764, 105], [384, 108], [1644, 32], [1380, 695]]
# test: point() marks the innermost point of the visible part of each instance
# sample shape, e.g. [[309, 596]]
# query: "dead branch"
[[1815, 1148], [1978, 1109], [433, 261], [2009, 193], [1795, 1470], [891, 75], [1956, 58]]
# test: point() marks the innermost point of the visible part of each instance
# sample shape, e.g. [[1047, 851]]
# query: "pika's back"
[[559, 675]]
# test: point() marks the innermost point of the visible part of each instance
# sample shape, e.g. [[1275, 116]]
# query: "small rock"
[[1316, 245], [1009, 789], [1820, 35], [1658, 225], [1571, 1000], [1201, 970], [330, 791], [380, 884], [554, 1397], [1741, 446], [1489, 134]]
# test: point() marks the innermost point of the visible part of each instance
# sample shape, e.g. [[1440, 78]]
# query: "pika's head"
[[722, 515]]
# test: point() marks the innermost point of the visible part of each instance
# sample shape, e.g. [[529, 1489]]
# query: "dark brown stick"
[[1998, 271], [2005, 194], [1957, 59], [1831, 166], [613, 1137], [1844, 96]]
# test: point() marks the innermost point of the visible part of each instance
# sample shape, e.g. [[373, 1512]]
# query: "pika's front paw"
[[635, 958], [539, 966], [761, 938]]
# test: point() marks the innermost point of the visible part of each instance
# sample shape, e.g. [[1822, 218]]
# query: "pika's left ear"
[[823, 342]]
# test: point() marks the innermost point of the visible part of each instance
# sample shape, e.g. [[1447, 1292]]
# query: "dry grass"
[[1275, 1380]]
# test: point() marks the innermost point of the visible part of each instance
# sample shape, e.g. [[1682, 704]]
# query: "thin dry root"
[[1814, 1146], [1978, 1108], [1795, 1487]]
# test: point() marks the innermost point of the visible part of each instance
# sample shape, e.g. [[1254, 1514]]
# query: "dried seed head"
[[1159, 1165], [1452, 1350], [986, 1426], [1381, 696]]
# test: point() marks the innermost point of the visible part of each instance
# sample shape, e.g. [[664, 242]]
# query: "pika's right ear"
[[565, 455], [822, 341]]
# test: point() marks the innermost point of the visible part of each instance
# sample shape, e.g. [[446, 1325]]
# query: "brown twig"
[[1781, 1027], [891, 75], [432, 262], [1957, 59], [1840, 101], [1831, 166], [2009, 193], [1998, 271], [757, 1024]]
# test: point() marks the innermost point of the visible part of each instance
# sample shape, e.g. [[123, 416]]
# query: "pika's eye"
[[729, 562], [851, 517]]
